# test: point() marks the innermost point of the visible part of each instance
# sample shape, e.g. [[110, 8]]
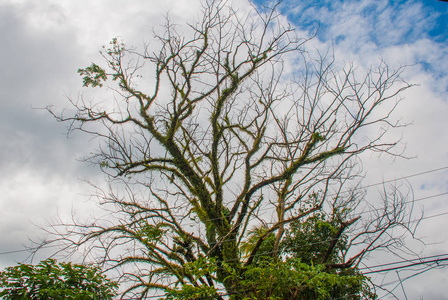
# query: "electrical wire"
[[24, 250], [437, 260], [406, 260], [405, 177]]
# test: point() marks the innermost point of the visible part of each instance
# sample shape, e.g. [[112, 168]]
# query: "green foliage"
[[93, 75], [304, 271], [318, 137], [198, 268], [189, 291], [310, 239], [293, 279], [266, 246], [150, 232], [52, 280], [201, 267]]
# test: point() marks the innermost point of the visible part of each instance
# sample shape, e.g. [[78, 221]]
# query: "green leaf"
[[93, 75]]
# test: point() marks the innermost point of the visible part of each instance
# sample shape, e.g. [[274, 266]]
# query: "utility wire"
[[405, 260], [405, 177], [24, 250], [437, 260]]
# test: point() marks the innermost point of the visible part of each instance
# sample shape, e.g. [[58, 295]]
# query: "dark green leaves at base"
[[292, 279], [51, 280]]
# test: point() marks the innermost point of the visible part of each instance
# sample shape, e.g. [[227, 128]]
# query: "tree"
[[239, 124], [52, 280]]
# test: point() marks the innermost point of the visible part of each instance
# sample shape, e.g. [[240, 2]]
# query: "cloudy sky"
[[45, 42]]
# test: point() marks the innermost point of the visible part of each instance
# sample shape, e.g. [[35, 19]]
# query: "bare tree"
[[238, 126]]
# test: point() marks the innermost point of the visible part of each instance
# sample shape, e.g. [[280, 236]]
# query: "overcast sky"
[[45, 42]]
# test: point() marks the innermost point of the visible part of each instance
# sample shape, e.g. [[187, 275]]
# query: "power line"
[[405, 260], [400, 281], [14, 251], [24, 250], [436, 215], [405, 177], [437, 260]]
